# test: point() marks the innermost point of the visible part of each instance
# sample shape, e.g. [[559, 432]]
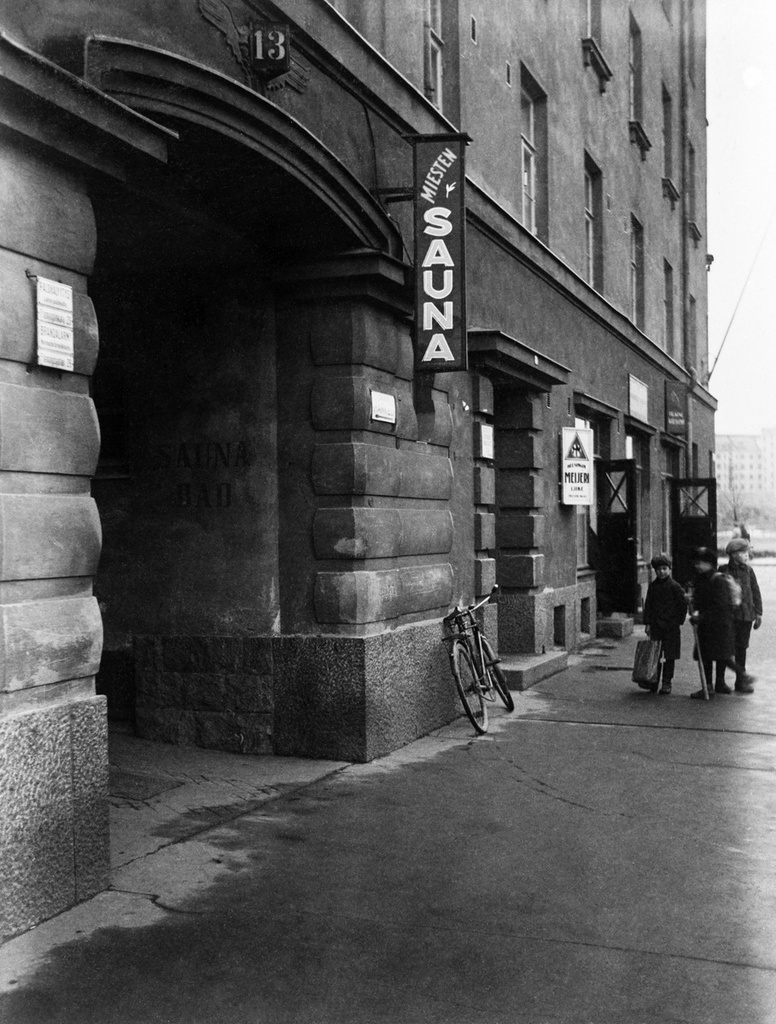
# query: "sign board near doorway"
[[55, 346], [577, 465], [439, 188]]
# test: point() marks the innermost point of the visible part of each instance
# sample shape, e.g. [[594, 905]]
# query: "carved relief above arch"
[[329, 202]]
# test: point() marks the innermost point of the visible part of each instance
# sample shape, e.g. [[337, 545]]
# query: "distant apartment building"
[[746, 463]]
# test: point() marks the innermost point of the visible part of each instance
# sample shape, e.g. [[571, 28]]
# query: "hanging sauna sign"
[[440, 251]]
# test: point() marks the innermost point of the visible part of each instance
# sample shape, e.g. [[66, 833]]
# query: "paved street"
[[603, 856]]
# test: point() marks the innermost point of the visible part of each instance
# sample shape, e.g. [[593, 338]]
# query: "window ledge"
[[594, 58], [639, 137], [694, 231], [670, 191]]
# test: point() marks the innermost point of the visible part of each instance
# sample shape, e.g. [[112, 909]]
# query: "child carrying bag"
[[646, 665]]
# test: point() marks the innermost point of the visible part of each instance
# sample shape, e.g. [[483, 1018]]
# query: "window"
[[668, 118], [593, 19], [668, 307], [690, 184], [533, 132], [671, 469], [691, 350], [528, 117], [474, 30], [509, 74], [637, 273], [593, 224], [691, 40], [434, 48], [637, 448], [586, 514], [634, 71]]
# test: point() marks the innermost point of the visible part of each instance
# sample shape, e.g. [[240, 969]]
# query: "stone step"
[[524, 670], [617, 625]]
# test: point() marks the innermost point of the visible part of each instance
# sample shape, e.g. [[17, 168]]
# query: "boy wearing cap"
[[712, 613], [749, 613], [665, 609]]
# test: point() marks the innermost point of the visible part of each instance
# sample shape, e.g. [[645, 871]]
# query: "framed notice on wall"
[[577, 465], [54, 328]]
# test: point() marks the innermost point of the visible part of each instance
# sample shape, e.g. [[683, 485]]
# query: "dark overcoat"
[[665, 609], [711, 600]]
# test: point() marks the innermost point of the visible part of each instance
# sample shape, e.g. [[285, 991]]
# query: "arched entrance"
[[195, 433]]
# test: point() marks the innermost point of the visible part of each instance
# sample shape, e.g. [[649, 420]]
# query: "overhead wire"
[[741, 295]]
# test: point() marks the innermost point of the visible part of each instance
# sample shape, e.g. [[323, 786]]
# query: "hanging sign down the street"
[[577, 465], [440, 244]]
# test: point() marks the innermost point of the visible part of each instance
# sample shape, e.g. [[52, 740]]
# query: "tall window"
[[692, 334], [587, 514], [671, 469], [593, 20], [690, 184], [434, 49], [634, 71], [637, 448], [668, 307], [691, 40], [533, 141], [593, 224], [668, 134], [637, 273], [528, 125]]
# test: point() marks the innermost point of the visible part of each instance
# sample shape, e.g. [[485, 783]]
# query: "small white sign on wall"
[[577, 465], [383, 407], [638, 399], [54, 324], [486, 441]]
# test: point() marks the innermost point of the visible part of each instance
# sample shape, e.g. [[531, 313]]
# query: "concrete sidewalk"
[[604, 855]]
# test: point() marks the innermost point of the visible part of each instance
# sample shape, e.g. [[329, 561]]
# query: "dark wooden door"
[[616, 536], [693, 522]]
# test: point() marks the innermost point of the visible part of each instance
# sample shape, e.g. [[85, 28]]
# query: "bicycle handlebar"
[[472, 607]]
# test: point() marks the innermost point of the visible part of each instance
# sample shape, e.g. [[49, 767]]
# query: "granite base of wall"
[[547, 620], [344, 698], [357, 698], [54, 840], [213, 692]]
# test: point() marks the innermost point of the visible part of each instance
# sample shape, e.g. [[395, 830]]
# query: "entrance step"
[[617, 625], [524, 670]]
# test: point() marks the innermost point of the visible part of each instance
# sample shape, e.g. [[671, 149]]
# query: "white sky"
[[741, 105]]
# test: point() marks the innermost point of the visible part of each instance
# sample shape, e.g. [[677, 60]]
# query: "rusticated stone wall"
[[53, 751]]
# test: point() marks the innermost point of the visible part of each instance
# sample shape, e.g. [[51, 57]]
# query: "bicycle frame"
[[465, 627]]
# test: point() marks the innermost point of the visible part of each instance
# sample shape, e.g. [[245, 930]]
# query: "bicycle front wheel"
[[469, 687], [497, 676]]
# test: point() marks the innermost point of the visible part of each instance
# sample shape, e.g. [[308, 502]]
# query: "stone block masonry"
[[214, 692]]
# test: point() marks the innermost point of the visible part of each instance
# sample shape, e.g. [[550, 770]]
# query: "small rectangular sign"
[[439, 191], [486, 441], [54, 293], [676, 418], [577, 465], [270, 47], [638, 399], [54, 332], [383, 407]]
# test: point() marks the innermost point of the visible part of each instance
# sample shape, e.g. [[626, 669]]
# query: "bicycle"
[[475, 665]]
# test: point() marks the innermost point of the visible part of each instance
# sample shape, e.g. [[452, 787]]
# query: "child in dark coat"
[[665, 609]]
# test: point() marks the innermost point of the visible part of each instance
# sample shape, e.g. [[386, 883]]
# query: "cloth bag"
[[646, 664]]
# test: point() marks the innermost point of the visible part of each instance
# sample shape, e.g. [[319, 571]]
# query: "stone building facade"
[[202, 510]]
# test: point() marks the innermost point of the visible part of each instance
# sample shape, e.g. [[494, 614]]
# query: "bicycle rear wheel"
[[469, 689], [497, 676]]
